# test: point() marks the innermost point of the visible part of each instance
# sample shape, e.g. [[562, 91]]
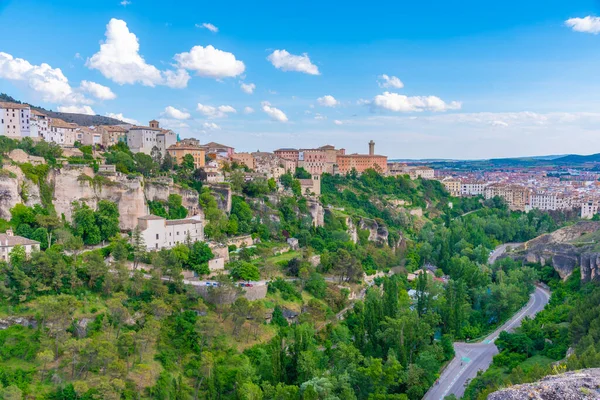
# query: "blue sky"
[[467, 80]]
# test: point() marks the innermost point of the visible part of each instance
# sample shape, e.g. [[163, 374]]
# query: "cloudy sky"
[[435, 79]]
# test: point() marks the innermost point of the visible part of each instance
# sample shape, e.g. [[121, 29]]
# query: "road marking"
[[454, 380]]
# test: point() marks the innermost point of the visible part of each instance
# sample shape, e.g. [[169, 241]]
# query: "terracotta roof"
[[146, 128], [150, 217], [59, 123], [214, 144], [9, 240], [183, 221], [36, 112], [6, 104], [184, 147], [114, 128]]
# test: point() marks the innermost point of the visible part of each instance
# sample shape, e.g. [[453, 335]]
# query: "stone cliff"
[[16, 188], [127, 193], [79, 183], [575, 385], [566, 249]]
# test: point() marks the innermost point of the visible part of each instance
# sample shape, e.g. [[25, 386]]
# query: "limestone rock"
[[576, 385]]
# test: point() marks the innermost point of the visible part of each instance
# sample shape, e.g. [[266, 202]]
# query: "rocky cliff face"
[[127, 193], [576, 385], [317, 212], [14, 189], [159, 190], [222, 193], [564, 251], [377, 233]]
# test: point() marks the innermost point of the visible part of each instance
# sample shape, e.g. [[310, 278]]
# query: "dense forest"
[[117, 322]]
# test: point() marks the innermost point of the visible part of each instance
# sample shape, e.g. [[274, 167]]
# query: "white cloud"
[[215, 112], [320, 117], [401, 103], [328, 101], [285, 61], [498, 123], [119, 60], [275, 113], [248, 110], [386, 81], [211, 126], [77, 109], [337, 122], [50, 83], [97, 90], [77, 56], [173, 112], [125, 3], [173, 124], [248, 87], [120, 117], [208, 26], [587, 24], [176, 79], [210, 62]]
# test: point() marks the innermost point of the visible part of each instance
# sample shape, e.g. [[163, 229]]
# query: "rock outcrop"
[[377, 233], [576, 385], [317, 212], [565, 249], [126, 192], [16, 188], [222, 193]]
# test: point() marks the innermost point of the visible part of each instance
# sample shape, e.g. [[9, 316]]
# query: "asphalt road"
[[498, 251], [472, 357]]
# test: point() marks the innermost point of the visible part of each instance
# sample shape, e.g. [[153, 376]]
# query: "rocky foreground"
[[583, 384]]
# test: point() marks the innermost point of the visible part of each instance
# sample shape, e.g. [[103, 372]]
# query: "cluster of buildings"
[[525, 190]]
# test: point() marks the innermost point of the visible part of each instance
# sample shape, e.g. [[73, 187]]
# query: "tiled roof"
[[183, 221], [6, 104], [10, 240], [59, 123], [114, 128], [150, 217]]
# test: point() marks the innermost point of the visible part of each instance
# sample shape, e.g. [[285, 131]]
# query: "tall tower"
[[371, 148], [154, 124]]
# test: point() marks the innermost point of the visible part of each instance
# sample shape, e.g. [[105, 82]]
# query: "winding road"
[[472, 357]]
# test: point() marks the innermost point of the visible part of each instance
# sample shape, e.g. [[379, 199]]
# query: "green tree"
[[244, 270]]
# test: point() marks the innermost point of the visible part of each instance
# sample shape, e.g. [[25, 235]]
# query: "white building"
[[142, 139], [88, 136], [160, 233], [14, 119], [62, 133], [589, 209], [8, 241], [472, 188], [39, 125]]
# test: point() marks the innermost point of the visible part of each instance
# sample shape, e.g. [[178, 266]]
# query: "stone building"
[[142, 139], [244, 159], [361, 162], [160, 233], [62, 132], [14, 119], [180, 150], [112, 134], [8, 241]]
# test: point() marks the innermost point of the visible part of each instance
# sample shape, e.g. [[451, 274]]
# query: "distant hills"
[[79, 119]]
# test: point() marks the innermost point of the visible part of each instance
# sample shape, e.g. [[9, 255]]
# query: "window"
[[177, 233], [157, 236], [157, 245]]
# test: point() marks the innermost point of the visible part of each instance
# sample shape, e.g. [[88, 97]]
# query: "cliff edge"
[[575, 385]]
